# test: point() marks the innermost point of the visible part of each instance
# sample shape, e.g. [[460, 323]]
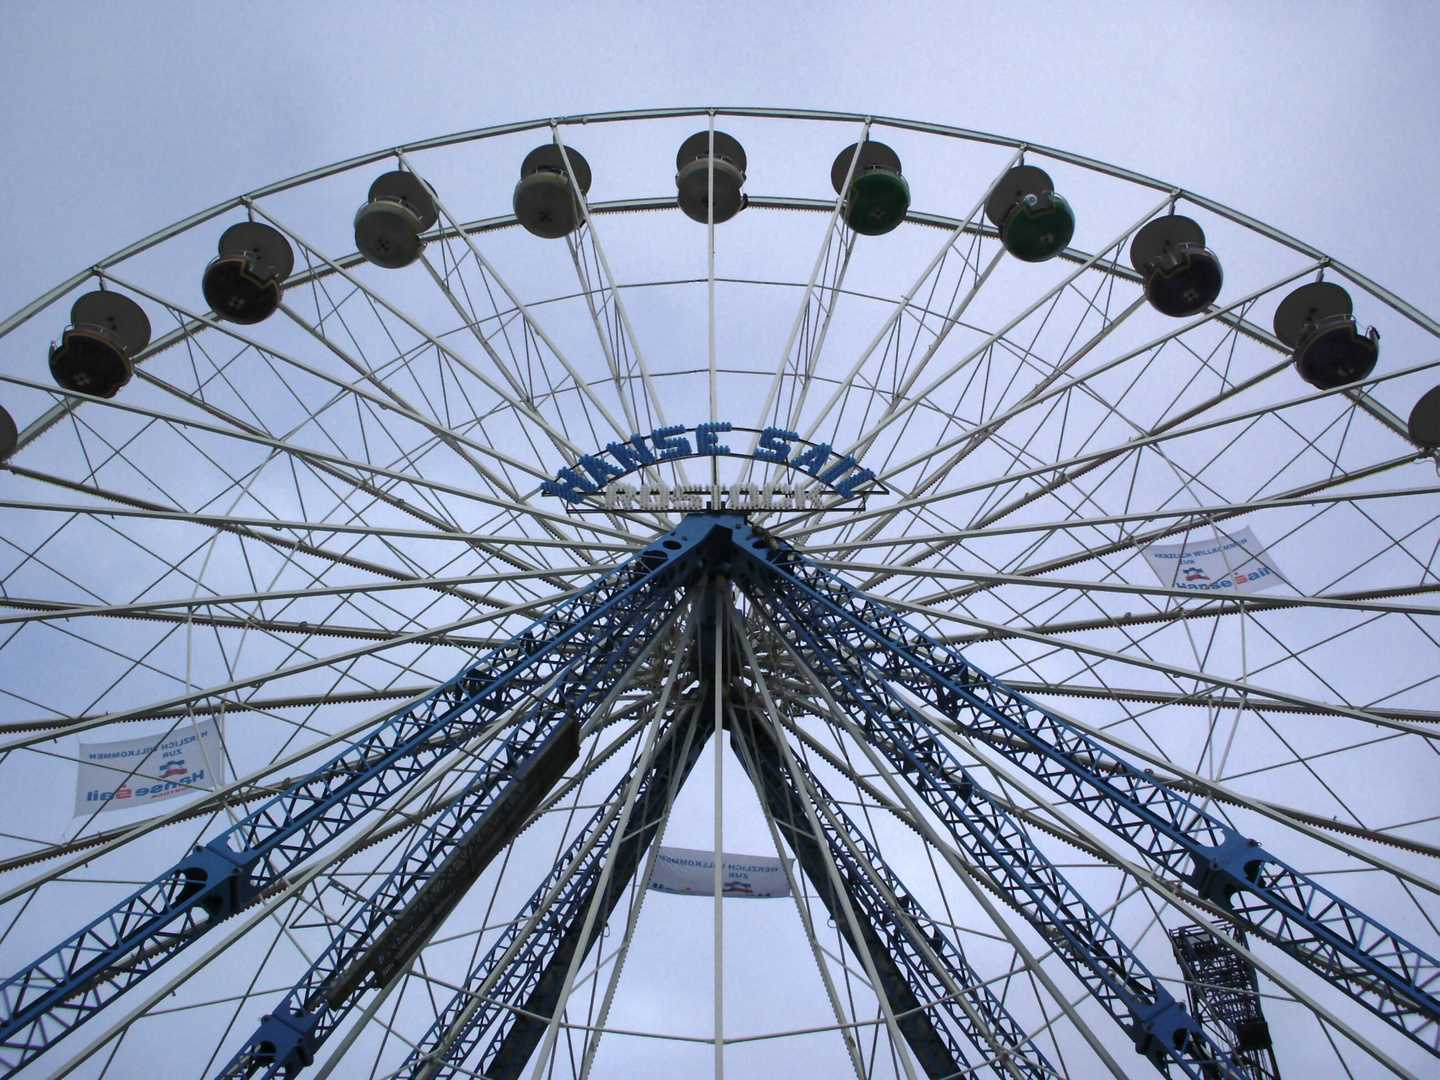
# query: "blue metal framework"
[[913, 958], [1225, 996], [520, 709], [562, 663], [511, 992], [1003, 852], [845, 630]]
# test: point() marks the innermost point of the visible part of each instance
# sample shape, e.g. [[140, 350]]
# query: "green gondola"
[[878, 196], [1038, 227]]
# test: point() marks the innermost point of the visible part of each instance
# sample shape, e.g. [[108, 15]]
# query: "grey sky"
[[1319, 119], [1316, 118]]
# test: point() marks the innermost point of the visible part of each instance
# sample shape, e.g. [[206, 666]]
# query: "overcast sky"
[[1317, 118], [119, 118]]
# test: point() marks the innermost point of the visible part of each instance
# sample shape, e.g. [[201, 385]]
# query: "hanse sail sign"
[[602, 482]]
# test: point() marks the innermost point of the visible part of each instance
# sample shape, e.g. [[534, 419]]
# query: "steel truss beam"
[[521, 705], [499, 1015], [864, 643], [1002, 851], [379, 940], [563, 664], [913, 958], [1225, 995]]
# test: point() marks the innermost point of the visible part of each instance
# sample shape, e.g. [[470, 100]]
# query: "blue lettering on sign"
[[774, 447], [568, 485], [602, 471], [670, 442], [125, 791], [813, 460], [707, 442], [633, 454]]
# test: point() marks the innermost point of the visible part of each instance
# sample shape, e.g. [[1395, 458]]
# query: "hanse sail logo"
[[822, 478], [135, 772]]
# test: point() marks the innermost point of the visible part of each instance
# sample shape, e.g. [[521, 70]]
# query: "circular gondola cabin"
[[877, 196], [388, 227], [1182, 276], [695, 165], [96, 354], [243, 284], [9, 434], [547, 198], [1329, 350], [1424, 425], [1035, 223]]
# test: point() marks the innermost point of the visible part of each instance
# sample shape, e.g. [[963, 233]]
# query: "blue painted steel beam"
[[52, 996], [1000, 849], [492, 1025], [901, 943], [1352, 951], [865, 651], [1225, 996]]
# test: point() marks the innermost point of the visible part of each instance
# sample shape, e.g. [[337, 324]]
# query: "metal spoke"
[[304, 532]]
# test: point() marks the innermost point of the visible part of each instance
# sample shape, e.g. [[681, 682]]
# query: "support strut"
[[563, 662], [908, 949], [497, 1018]]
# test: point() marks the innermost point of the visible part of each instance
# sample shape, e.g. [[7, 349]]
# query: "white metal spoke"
[[295, 527]]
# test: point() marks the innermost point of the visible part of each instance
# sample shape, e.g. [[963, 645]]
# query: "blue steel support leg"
[[1225, 996], [900, 944], [1377, 967], [1138, 1001], [47, 999], [498, 1017], [380, 940]]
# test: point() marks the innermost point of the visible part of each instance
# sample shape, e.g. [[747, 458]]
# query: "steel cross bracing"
[[850, 632], [382, 937], [49, 998], [1225, 996], [908, 950], [545, 678], [514, 989], [1003, 852]]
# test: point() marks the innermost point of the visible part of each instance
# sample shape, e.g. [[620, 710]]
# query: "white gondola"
[[388, 227]]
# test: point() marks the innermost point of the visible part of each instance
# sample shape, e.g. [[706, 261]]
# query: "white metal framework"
[[298, 527]]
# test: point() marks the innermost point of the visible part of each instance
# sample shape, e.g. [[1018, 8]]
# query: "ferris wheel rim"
[[599, 532], [358, 161]]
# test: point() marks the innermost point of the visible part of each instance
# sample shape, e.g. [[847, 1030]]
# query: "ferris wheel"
[[692, 590]]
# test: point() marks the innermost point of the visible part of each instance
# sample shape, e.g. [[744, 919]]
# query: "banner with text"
[[1234, 563], [136, 772], [692, 873]]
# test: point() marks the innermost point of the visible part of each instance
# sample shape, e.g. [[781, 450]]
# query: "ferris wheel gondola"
[[1062, 634]]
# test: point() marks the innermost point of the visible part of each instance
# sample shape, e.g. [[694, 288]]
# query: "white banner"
[[136, 772], [692, 873], [1235, 563]]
